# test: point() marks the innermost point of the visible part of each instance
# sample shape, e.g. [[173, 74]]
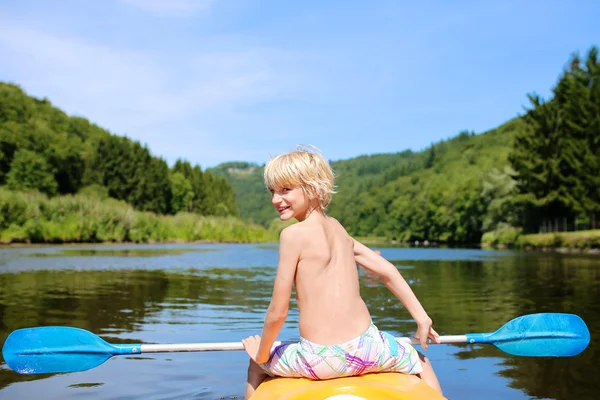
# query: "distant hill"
[[252, 198], [436, 194]]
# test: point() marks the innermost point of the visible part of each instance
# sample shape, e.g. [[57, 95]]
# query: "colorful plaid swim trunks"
[[373, 351]]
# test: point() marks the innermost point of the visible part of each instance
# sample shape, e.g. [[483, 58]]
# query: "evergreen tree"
[[557, 157], [159, 188], [430, 157], [534, 158], [196, 178], [9, 132]]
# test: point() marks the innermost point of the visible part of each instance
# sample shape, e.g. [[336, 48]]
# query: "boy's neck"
[[313, 211]]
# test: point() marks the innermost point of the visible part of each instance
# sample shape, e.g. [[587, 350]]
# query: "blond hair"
[[304, 167]]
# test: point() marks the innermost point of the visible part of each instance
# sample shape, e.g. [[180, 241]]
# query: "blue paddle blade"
[[54, 349], [539, 335]]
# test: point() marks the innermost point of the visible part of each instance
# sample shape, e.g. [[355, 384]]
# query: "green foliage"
[[430, 157], [36, 218], [13, 106], [572, 240], [130, 173], [182, 191], [234, 167], [557, 156], [395, 196], [29, 171], [9, 133], [251, 197], [502, 236], [41, 148], [212, 195], [95, 191], [498, 192]]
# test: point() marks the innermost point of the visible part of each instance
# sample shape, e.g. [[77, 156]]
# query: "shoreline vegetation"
[[587, 241], [34, 218]]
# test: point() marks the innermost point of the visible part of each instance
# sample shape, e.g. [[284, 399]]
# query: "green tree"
[[9, 133], [196, 178], [14, 104], [30, 171], [556, 156], [498, 193], [430, 157], [182, 191]]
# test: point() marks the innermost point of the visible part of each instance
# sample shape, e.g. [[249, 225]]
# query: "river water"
[[220, 292]]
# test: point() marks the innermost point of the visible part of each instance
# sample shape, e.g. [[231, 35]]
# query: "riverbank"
[[586, 242], [33, 218], [578, 242], [206, 230]]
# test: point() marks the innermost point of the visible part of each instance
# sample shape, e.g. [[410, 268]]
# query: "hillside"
[[436, 194], [42, 149]]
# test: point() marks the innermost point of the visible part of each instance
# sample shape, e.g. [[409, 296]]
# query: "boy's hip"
[[373, 351]]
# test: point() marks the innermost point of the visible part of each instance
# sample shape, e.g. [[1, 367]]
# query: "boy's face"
[[290, 202]]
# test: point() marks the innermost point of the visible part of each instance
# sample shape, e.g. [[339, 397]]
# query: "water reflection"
[[214, 294], [149, 252]]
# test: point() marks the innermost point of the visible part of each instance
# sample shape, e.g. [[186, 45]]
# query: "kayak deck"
[[389, 385]]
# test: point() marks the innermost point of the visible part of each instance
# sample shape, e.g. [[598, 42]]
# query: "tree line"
[[44, 150]]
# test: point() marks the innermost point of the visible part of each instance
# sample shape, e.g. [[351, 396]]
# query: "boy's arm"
[[392, 278], [289, 253]]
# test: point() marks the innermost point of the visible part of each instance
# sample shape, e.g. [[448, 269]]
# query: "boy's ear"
[[308, 192], [313, 194]]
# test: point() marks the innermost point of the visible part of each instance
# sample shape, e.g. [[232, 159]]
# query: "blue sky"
[[221, 80]]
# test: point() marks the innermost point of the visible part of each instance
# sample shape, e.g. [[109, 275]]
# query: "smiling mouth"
[[282, 209]]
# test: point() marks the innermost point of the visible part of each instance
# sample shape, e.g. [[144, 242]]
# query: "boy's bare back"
[[326, 280]]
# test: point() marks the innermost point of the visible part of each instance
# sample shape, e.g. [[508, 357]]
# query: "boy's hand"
[[251, 345], [425, 331]]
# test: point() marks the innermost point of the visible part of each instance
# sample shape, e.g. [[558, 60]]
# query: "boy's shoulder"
[[294, 229], [298, 230], [305, 228]]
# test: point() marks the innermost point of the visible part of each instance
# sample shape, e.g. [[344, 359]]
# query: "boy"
[[319, 257]]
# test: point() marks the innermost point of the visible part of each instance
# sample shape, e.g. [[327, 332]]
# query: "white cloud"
[[171, 7], [85, 77], [165, 102]]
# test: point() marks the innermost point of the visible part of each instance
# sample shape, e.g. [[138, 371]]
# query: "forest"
[[44, 150]]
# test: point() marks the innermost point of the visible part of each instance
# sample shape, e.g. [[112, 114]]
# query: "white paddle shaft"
[[166, 348]]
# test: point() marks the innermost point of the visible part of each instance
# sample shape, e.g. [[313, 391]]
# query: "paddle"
[[55, 349]]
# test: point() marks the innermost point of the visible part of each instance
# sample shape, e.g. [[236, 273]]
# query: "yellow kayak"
[[389, 385]]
